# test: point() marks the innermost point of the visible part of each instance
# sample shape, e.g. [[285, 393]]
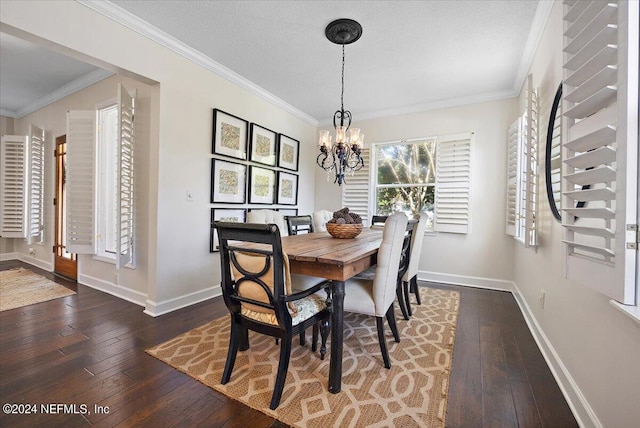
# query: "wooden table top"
[[320, 254]]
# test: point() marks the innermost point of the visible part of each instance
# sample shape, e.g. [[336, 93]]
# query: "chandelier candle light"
[[344, 155]]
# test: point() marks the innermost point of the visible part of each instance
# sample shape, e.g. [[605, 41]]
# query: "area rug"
[[21, 287], [412, 393]]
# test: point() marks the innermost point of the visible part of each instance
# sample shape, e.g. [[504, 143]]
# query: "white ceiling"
[[412, 56]]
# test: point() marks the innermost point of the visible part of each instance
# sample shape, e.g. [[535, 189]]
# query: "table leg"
[[335, 365]]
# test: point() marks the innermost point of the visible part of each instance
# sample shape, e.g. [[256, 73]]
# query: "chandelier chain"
[[342, 92]]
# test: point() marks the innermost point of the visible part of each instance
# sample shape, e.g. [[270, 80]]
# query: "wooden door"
[[65, 263]]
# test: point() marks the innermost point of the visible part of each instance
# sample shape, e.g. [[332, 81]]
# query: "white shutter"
[[356, 190], [13, 173], [512, 214], [80, 181], [453, 183], [601, 149], [530, 167], [125, 216], [36, 185]]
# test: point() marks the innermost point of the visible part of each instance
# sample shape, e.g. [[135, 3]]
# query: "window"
[[430, 175], [100, 216], [522, 172], [600, 153], [22, 186], [405, 178]]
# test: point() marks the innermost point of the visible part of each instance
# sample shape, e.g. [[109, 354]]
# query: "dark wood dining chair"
[[378, 220], [375, 296], [257, 290], [299, 224]]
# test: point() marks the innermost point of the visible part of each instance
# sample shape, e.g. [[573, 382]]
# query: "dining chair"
[[378, 220], [299, 223], [410, 277], [320, 219], [375, 296], [267, 217], [257, 290]]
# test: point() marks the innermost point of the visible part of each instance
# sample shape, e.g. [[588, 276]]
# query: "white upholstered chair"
[[375, 296], [410, 278], [320, 219], [268, 217]]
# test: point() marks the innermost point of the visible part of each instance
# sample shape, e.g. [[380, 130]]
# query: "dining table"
[[320, 255]]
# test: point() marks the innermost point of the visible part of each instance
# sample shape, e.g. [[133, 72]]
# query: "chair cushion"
[[359, 297], [268, 217], [320, 219], [254, 263], [305, 309], [304, 282]]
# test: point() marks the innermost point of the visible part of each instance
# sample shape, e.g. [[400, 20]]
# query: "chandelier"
[[344, 155]]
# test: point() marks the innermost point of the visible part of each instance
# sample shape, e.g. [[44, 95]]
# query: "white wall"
[[482, 256], [131, 284], [181, 270], [598, 345]]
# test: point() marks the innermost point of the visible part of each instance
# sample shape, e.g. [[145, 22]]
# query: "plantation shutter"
[[601, 149], [453, 182], [356, 190], [80, 181], [124, 219], [530, 168], [13, 173], [36, 185], [512, 215]]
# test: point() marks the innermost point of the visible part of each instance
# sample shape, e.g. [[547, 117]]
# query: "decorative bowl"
[[344, 231]]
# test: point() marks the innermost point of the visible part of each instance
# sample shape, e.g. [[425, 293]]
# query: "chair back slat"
[[299, 223]]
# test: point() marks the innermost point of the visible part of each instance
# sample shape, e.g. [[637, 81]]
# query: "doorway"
[[65, 264]]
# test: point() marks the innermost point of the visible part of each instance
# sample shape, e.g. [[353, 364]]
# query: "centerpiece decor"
[[344, 224]]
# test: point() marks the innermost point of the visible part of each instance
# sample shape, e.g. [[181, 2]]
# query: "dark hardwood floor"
[[89, 349]]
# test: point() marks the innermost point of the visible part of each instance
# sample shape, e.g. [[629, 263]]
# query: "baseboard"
[[48, 266], [5, 257], [584, 414], [160, 308], [127, 294], [467, 281]]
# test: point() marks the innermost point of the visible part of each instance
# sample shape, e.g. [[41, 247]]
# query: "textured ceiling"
[[413, 55]]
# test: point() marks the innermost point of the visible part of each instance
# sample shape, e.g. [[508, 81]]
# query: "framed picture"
[[223, 214], [287, 188], [228, 182], [263, 145], [288, 211], [288, 153], [229, 135], [262, 185]]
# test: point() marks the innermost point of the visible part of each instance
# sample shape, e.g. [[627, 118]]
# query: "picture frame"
[[287, 188], [228, 182], [224, 214], [229, 135], [288, 152], [288, 211], [263, 145], [262, 185]]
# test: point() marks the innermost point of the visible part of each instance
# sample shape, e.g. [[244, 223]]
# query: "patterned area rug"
[[412, 393], [21, 287]]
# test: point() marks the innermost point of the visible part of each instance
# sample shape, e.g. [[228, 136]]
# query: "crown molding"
[[533, 40], [132, 22], [434, 105], [68, 89]]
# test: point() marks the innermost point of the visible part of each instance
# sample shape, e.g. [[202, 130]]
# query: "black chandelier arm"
[[342, 116]]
